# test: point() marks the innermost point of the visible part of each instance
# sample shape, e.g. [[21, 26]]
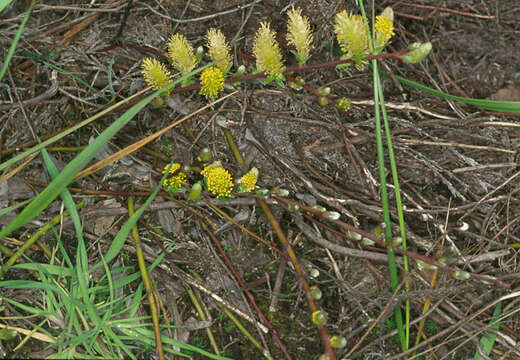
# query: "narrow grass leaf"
[[8, 209], [122, 234], [512, 107], [69, 131], [29, 284], [69, 172], [27, 308], [47, 268], [16, 38], [488, 339], [3, 4], [76, 165]]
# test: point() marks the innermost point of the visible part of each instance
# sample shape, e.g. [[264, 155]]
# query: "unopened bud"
[[240, 71], [294, 85], [396, 241], [196, 189], [461, 275], [332, 215], [283, 192], [198, 54], [354, 235], [324, 91], [316, 292], [319, 208], [418, 51], [204, 155], [338, 342], [323, 101], [262, 193], [293, 207], [367, 241], [319, 317], [421, 265]]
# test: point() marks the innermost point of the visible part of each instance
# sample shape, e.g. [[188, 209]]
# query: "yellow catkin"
[[155, 73], [180, 54], [249, 179], [384, 27], [267, 52], [212, 82], [219, 181], [351, 32], [299, 34], [218, 49]]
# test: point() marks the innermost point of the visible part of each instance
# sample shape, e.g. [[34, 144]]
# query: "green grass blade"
[[69, 172], [147, 337], [392, 266], [512, 107], [398, 200], [488, 339], [75, 166], [48, 269], [4, 3], [121, 236], [66, 196], [29, 284], [69, 131], [16, 38], [26, 308]]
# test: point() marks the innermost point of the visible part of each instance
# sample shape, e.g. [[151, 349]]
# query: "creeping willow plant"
[[299, 35], [218, 50], [218, 180], [155, 74], [177, 179], [212, 82], [267, 53], [359, 42], [247, 182], [181, 54], [384, 28], [352, 33]]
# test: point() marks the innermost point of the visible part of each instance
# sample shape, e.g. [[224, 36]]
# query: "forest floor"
[[458, 169]]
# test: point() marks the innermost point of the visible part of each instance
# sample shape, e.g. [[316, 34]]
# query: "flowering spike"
[[384, 28], [175, 182], [173, 168], [218, 49], [343, 104], [351, 32], [212, 82], [248, 181], [299, 34], [180, 54], [218, 180], [267, 52], [155, 73]]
